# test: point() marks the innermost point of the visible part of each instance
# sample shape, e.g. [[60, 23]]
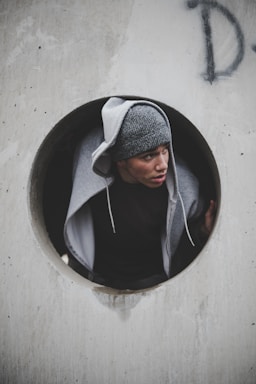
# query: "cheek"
[[144, 169]]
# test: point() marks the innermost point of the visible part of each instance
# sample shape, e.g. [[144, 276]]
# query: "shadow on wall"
[[52, 172]]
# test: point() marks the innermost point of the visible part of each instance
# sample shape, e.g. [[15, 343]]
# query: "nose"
[[161, 163]]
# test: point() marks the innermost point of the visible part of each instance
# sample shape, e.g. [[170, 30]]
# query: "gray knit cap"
[[143, 128]]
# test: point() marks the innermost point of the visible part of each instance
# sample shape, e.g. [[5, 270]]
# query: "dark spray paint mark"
[[210, 71], [207, 6], [254, 47]]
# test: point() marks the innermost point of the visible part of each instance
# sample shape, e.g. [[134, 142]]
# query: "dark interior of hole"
[[187, 142]]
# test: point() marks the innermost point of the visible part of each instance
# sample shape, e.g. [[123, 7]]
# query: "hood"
[[113, 114], [92, 159]]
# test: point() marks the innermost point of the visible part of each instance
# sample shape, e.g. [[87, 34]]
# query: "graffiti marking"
[[206, 8]]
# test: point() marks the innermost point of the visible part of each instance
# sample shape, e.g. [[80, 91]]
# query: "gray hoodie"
[[92, 174]]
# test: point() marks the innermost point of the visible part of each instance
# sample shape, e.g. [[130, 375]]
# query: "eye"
[[148, 156]]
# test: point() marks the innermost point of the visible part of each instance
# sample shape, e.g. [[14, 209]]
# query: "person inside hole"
[[136, 216]]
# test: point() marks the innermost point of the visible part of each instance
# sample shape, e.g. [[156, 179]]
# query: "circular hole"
[[51, 176]]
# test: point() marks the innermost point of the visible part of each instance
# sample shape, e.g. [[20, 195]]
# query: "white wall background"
[[55, 327]]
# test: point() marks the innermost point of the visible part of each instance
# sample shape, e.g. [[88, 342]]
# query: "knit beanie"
[[143, 129]]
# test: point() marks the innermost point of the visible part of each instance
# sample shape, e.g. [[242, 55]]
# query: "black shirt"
[[139, 213]]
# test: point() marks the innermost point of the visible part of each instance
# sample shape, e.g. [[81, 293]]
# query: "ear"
[[121, 164]]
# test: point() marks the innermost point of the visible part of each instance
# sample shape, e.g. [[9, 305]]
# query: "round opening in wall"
[[168, 221]]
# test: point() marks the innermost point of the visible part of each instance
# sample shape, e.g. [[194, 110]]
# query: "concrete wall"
[[199, 57]]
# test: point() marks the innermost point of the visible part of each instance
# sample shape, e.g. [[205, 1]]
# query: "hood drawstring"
[[183, 211], [109, 208], [185, 221]]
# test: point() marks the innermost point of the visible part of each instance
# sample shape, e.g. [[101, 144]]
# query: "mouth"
[[160, 178]]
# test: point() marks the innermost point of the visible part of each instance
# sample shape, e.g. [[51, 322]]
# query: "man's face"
[[148, 168]]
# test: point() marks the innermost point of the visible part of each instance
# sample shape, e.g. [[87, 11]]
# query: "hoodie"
[[92, 174]]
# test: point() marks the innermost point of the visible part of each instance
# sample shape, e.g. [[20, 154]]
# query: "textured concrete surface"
[[198, 57]]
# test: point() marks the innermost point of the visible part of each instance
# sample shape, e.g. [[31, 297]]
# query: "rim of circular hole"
[[72, 126]]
